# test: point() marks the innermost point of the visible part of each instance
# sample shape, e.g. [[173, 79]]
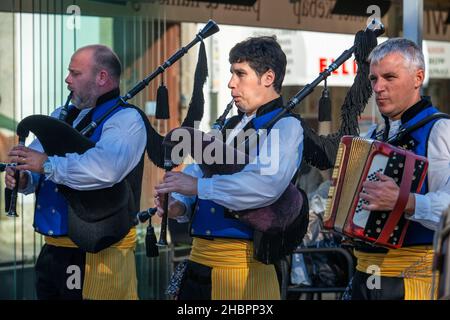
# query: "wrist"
[[47, 167], [410, 205]]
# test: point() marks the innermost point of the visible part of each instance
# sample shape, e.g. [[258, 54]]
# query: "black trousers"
[[390, 288], [196, 282], [59, 270]]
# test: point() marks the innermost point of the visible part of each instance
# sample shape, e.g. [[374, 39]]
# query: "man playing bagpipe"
[[94, 242], [397, 72], [222, 263]]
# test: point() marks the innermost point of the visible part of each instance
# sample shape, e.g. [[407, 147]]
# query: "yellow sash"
[[235, 275], [110, 273], [413, 264]]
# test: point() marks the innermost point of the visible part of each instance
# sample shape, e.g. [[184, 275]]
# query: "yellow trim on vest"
[[413, 264], [235, 275]]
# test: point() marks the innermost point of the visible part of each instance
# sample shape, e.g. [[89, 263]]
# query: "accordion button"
[[396, 228], [192, 230], [383, 216], [53, 210], [395, 171], [378, 222], [236, 216], [378, 230], [400, 165], [208, 232], [213, 210], [38, 206], [50, 232]]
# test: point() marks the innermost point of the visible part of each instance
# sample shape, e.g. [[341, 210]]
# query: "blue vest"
[[50, 215], [417, 234], [209, 218]]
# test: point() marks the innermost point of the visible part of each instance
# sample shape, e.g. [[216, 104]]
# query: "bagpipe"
[[108, 208], [283, 216], [441, 261]]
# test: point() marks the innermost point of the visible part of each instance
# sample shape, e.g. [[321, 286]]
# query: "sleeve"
[[429, 207], [33, 178], [263, 180], [188, 201], [118, 151]]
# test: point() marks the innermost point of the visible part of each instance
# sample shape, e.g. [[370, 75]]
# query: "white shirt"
[[429, 207], [118, 151], [254, 186]]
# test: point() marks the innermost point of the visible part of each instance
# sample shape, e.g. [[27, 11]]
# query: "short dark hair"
[[105, 58], [261, 53]]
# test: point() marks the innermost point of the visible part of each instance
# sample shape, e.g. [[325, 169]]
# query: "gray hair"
[[408, 49]]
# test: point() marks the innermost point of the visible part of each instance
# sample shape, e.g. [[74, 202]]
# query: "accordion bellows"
[[358, 160]]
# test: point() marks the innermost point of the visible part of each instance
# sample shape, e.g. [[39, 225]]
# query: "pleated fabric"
[[413, 264], [235, 275], [111, 273]]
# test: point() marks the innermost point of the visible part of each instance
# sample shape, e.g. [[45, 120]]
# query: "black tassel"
[[196, 105], [325, 105], [151, 249], [155, 148], [162, 103]]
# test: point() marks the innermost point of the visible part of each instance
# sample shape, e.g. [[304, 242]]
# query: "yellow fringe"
[[110, 273], [235, 275], [413, 264]]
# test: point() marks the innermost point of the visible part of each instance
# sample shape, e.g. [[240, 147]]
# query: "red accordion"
[[358, 160]]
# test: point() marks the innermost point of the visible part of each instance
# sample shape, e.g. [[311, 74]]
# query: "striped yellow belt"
[[413, 264], [235, 275], [109, 274]]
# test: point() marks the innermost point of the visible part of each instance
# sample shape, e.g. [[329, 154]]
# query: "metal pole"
[[413, 20]]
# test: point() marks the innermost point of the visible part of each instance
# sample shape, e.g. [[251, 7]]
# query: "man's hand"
[[382, 195], [178, 182], [10, 180], [28, 159], [176, 208]]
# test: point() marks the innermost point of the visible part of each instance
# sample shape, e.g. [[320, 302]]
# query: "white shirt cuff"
[[205, 189]]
